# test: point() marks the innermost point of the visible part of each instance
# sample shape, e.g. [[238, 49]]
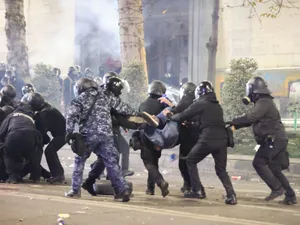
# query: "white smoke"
[[97, 30]]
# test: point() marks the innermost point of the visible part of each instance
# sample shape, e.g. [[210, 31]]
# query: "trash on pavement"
[[63, 216], [236, 177]]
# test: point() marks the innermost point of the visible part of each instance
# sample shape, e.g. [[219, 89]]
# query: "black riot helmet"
[[84, 84], [157, 88], [27, 88], [35, 100], [8, 91], [7, 109], [108, 76], [204, 88], [187, 88], [255, 86], [115, 85]]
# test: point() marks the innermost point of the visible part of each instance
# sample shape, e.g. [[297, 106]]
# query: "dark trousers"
[[201, 150], [20, 148], [123, 149], [53, 162], [267, 163], [3, 174], [97, 169], [150, 157], [184, 150]]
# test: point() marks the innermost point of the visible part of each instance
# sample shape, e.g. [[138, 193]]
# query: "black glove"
[[78, 145], [69, 137]]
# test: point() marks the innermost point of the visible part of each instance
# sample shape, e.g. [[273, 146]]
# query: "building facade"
[[175, 38]]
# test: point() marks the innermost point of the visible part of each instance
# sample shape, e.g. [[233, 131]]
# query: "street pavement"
[[41, 203]]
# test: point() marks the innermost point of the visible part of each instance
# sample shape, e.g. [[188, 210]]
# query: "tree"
[[46, 83], [274, 7], [134, 71], [133, 54], [241, 71], [15, 29], [213, 43]]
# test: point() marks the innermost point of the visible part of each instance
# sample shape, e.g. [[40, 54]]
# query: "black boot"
[[14, 179], [289, 200], [202, 192], [126, 196], [196, 194], [150, 191], [231, 200], [88, 185], [56, 180], [164, 186], [275, 194], [185, 188]]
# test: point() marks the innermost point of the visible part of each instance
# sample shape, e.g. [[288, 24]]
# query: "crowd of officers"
[[100, 113]]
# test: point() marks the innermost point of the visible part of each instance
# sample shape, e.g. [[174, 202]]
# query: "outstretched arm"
[[122, 107], [257, 112], [191, 111]]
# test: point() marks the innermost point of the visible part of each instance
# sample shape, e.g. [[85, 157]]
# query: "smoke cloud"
[[97, 32]]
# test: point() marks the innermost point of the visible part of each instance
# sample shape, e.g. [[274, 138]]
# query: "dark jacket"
[[50, 120], [188, 133], [152, 105], [265, 120], [9, 102], [18, 121], [210, 113]]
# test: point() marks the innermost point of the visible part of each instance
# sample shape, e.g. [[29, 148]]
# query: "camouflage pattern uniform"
[[97, 132]]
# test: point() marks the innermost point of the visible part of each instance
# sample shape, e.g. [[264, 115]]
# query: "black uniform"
[[212, 140], [149, 154], [188, 137], [49, 119], [22, 143], [265, 120]]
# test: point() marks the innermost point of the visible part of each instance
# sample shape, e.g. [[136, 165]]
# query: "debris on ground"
[[80, 212], [236, 177], [63, 216]]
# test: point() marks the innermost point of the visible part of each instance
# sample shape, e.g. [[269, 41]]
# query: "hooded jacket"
[[265, 120]]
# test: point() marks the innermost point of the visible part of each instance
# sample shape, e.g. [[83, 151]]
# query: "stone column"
[[199, 32]]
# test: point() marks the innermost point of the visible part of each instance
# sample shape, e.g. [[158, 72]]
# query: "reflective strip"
[[24, 115]]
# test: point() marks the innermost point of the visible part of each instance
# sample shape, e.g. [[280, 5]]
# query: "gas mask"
[[246, 100]]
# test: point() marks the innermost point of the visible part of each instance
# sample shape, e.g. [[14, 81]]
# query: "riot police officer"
[[27, 88], [8, 95], [22, 142], [92, 108], [49, 119], [188, 132], [271, 138], [212, 140], [149, 154]]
